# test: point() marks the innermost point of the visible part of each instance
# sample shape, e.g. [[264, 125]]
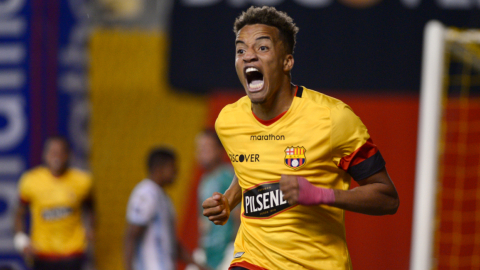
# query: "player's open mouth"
[[254, 79]]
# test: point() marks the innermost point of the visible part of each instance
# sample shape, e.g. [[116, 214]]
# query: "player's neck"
[[58, 173], [156, 180], [277, 104]]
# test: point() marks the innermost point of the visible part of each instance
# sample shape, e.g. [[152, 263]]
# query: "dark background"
[[338, 46]]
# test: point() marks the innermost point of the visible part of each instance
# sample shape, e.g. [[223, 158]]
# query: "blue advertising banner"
[[15, 100], [73, 104], [42, 93], [342, 44]]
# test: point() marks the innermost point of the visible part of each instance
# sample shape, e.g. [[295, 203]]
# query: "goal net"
[[446, 225]]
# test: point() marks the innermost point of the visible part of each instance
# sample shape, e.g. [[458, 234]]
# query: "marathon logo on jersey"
[[264, 201], [295, 157], [56, 213], [244, 158], [268, 137]]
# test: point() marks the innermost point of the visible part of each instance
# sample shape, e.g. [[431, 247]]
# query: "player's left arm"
[[354, 152], [376, 194], [88, 207]]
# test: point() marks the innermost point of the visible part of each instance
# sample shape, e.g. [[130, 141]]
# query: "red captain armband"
[[312, 195]]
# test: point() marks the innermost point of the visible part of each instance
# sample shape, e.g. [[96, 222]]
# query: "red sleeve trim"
[[24, 201], [56, 257], [364, 152], [247, 265]]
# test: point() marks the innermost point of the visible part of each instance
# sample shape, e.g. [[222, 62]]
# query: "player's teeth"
[[256, 85], [251, 69]]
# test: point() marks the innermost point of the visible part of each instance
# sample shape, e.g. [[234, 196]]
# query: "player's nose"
[[250, 56]]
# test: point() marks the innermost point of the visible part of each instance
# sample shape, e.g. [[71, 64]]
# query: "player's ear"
[[288, 63]]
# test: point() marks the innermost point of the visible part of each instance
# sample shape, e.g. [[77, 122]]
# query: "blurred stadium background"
[[119, 76]]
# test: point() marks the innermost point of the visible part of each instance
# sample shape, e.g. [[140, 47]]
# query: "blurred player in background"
[[151, 240], [294, 152], [216, 241], [57, 196]]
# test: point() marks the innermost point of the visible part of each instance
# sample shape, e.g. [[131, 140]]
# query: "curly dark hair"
[[272, 17]]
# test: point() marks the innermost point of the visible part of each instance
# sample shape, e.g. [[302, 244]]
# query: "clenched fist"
[[290, 189], [216, 208]]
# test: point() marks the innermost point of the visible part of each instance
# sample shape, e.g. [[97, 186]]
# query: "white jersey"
[[149, 206]]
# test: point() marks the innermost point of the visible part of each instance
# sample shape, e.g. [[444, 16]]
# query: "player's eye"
[[240, 51], [263, 48]]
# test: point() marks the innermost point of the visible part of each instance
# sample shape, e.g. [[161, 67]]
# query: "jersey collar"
[[298, 93]]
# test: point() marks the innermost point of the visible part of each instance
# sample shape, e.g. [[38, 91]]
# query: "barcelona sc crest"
[[295, 157]]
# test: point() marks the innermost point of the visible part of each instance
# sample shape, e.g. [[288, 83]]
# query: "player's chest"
[[53, 193], [280, 149]]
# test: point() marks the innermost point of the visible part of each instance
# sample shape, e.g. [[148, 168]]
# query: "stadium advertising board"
[[342, 44], [14, 116], [73, 105], [42, 93]]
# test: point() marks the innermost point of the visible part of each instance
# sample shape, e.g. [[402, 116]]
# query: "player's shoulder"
[[241, 106], [145, 187], [317, 101], [80, 176], [79, 173], [322, 100], [34, 173]]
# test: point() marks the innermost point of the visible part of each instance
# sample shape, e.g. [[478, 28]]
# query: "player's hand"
[[216, 208], [290, 188], [29, 251]]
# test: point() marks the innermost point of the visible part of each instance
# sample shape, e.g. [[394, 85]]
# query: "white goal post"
[[430, 113], [431, 87]]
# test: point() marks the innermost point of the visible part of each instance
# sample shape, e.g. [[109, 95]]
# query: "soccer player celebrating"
[[294, 152]]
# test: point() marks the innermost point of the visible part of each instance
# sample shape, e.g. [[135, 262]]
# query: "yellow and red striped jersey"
[[318, 138]]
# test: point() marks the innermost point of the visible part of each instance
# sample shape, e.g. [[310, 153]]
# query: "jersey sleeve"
[[141, 208], [25, 188], [219, 126], [88, 187], [352, 148], [85, 187]]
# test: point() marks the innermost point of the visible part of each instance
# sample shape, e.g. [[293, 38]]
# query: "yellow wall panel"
[[133, 109]]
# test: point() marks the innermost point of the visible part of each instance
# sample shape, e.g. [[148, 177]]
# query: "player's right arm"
[[21, 241], [140, 211], [217, 208], [132, 236]]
